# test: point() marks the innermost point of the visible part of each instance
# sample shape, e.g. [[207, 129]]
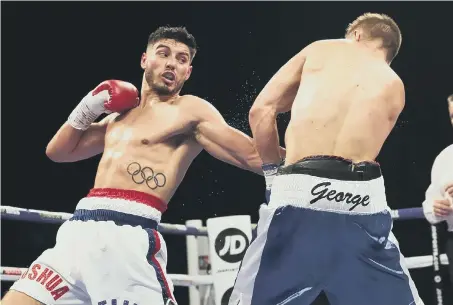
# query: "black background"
[[54, 53]]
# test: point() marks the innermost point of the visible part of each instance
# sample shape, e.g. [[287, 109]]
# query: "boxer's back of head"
[[450, 107], [179, 34], [378, 26]]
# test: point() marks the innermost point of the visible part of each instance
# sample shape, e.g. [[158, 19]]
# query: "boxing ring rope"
[[194, 228], [40, 216], [11, 274]]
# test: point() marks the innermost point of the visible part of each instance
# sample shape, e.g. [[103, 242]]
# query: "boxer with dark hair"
[[110, 252]]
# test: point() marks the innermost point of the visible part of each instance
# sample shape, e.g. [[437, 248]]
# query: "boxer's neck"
[[149, 97], [373, 47]]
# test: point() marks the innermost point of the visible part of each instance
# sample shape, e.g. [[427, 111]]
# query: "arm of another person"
[[276, 97], [222, 141], [437, 204], [71, 145]]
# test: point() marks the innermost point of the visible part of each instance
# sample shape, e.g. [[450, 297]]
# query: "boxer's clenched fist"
[[121, 96], [109, 96]]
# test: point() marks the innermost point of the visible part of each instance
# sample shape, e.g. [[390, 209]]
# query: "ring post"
[[192, 260]]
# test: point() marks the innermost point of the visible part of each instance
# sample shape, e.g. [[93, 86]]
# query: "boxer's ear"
[[357, 35], [189, 72], [143, 61]]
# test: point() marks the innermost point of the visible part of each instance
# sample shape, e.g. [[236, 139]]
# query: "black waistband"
[[333, 167]]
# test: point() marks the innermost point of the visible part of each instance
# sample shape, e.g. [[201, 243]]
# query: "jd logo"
[[230, 245], [226, 297]]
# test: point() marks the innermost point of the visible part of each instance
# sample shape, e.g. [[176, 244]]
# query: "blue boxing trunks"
[[109, 252], [326, 228]]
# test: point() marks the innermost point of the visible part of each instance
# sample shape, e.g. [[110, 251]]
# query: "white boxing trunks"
[[109, 252]]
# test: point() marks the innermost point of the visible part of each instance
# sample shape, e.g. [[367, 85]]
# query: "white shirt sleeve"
[[441, 174]]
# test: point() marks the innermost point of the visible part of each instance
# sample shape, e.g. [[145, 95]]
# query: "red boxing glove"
[[109, 96], [122, 95]]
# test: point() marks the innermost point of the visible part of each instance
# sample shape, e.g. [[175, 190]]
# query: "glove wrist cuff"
[[83, 115], [269, 169]]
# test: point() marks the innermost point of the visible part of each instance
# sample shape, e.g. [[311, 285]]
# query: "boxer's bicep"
[[226, 143], [397, 99], [91, 142]]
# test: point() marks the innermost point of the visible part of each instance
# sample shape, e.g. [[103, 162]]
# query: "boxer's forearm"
[[265, 134], [251, 162], [229, 145], [63, 142], [70, 144], [250, 158]]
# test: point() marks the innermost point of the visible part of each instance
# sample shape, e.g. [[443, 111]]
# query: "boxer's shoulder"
[[109, 119], [190, 100], [393, 83], [324, 47], [196, 106]]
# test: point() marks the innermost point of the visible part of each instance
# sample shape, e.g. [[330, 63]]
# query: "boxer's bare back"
[[347, 100], [345, 105]]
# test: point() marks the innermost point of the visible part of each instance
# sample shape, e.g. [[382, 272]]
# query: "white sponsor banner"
[[229, 238]]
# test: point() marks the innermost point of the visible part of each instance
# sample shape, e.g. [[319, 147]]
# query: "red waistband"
[[141, 197]]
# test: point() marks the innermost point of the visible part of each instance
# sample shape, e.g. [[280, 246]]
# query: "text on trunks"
[[322, 191]]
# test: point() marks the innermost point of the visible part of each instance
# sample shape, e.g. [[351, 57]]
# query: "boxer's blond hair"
[[450, 99], [379, 26]]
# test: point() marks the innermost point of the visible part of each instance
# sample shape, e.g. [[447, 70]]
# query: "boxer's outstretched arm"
[[276, 97], [222, 141], [71, 145]]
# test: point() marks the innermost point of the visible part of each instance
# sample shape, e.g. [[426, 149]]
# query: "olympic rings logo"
[[146, 175]]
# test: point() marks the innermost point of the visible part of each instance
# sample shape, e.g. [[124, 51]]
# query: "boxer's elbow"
[[255, 113], [259, 113], [58, 154], [55, 155]]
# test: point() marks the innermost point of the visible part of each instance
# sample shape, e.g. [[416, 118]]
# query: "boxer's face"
[[167, 66]]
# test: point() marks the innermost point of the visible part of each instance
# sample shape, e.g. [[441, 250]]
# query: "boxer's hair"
[[180, 34], [450, 99], [379, 26]]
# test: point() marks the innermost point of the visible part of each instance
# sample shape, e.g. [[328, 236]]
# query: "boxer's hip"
[[330, 184], [111, 245], [113, 218], [123, 207]]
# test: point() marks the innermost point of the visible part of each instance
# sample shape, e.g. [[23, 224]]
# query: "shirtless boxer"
[[109, 252], [327, 226]]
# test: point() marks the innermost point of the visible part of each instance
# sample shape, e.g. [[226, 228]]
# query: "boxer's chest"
[[161, 125]]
